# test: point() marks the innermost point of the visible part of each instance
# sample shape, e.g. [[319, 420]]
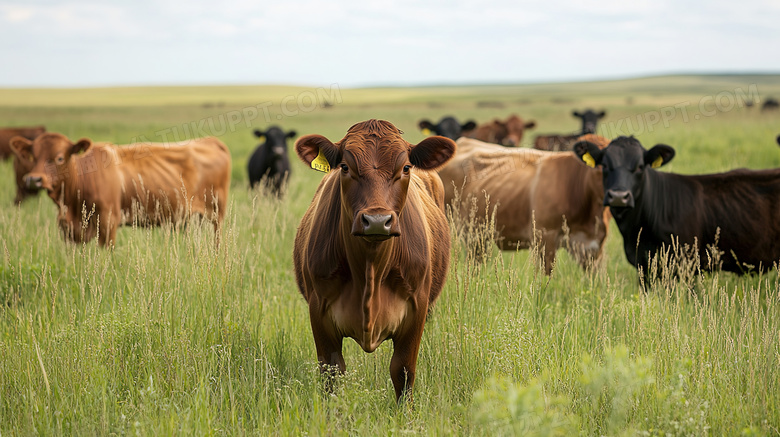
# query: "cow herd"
[[371, 253]]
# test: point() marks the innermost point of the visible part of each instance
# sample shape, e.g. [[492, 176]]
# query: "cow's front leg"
[[108, 223], [403, 365], [328, 344], [548, 245]]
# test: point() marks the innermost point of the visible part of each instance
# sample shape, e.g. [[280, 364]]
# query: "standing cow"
[[507, 132], [21, 167], [269, 164], [372, 251], [109, 186], [447, 127], [739, 210], [535, 191], [589, 118]]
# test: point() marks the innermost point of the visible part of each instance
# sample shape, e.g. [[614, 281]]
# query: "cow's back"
[[186, 177]]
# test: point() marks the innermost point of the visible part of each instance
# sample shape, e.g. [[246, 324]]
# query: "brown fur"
[[534, 190], [145, 184], [507, 133], [555, 143], [373, 290]]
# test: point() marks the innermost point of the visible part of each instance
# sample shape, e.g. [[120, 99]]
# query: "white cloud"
[[314, 41]]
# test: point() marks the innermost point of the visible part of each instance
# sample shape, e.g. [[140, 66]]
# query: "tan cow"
[[372, 251], [533, 190], [507, 132], [146, 184]]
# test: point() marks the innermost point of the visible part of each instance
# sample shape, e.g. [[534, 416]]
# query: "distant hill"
[[238, 95]]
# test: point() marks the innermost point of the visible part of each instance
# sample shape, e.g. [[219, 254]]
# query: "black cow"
[[447, 127], [556, 143], [269, 163], [770, 104], [778, 140], [740, 209]]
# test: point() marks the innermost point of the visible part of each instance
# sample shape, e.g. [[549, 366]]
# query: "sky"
[[363, 43]]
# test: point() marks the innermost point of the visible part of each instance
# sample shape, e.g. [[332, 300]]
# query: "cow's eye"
[[407, 167], [60, 160], [344, 168]]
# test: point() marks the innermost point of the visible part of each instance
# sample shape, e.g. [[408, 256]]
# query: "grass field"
[[167, 335]]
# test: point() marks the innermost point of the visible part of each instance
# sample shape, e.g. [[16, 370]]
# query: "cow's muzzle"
[[376, 227], [619, 199], [33, 182]]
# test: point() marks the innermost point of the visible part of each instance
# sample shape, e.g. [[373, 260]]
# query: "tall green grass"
[[166, 334]]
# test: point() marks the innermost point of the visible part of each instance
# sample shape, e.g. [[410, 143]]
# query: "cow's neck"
[[68, 191], [645, 225]]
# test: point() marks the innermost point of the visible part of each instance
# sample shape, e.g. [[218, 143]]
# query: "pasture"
[[168, 335]]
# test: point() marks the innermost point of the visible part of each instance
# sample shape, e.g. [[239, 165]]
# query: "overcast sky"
[[161, 42]]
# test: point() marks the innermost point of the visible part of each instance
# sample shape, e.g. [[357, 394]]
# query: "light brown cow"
[[534, 191], [507, 133], [372, 251], [109, 186]]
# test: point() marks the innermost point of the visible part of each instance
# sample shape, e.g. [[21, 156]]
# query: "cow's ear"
[[259, 134], [81, 146], [318, 152], [576, 114], [659, 155], [469, 125], [22, 147], [530, 125], [426, 126], [602, 114], [588, 152], [291, 134], [432, 152]]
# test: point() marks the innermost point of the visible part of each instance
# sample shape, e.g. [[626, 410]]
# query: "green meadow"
[[168, 335]]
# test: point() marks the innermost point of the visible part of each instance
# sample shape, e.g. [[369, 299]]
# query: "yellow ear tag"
[[657, 163], [588, 158], [261, 138], [426, 131], [320, 163]]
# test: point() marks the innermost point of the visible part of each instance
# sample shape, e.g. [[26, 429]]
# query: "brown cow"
[[533, 190], [21, 168], [563, 143], [108, 186], [507, 133], [372, 251], [7, 133]]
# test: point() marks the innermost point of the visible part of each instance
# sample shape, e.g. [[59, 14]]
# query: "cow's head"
[[447, 127], [590, 120], [624, 163], [49, 157], [276, 139], [374, 164], [515, 126]]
